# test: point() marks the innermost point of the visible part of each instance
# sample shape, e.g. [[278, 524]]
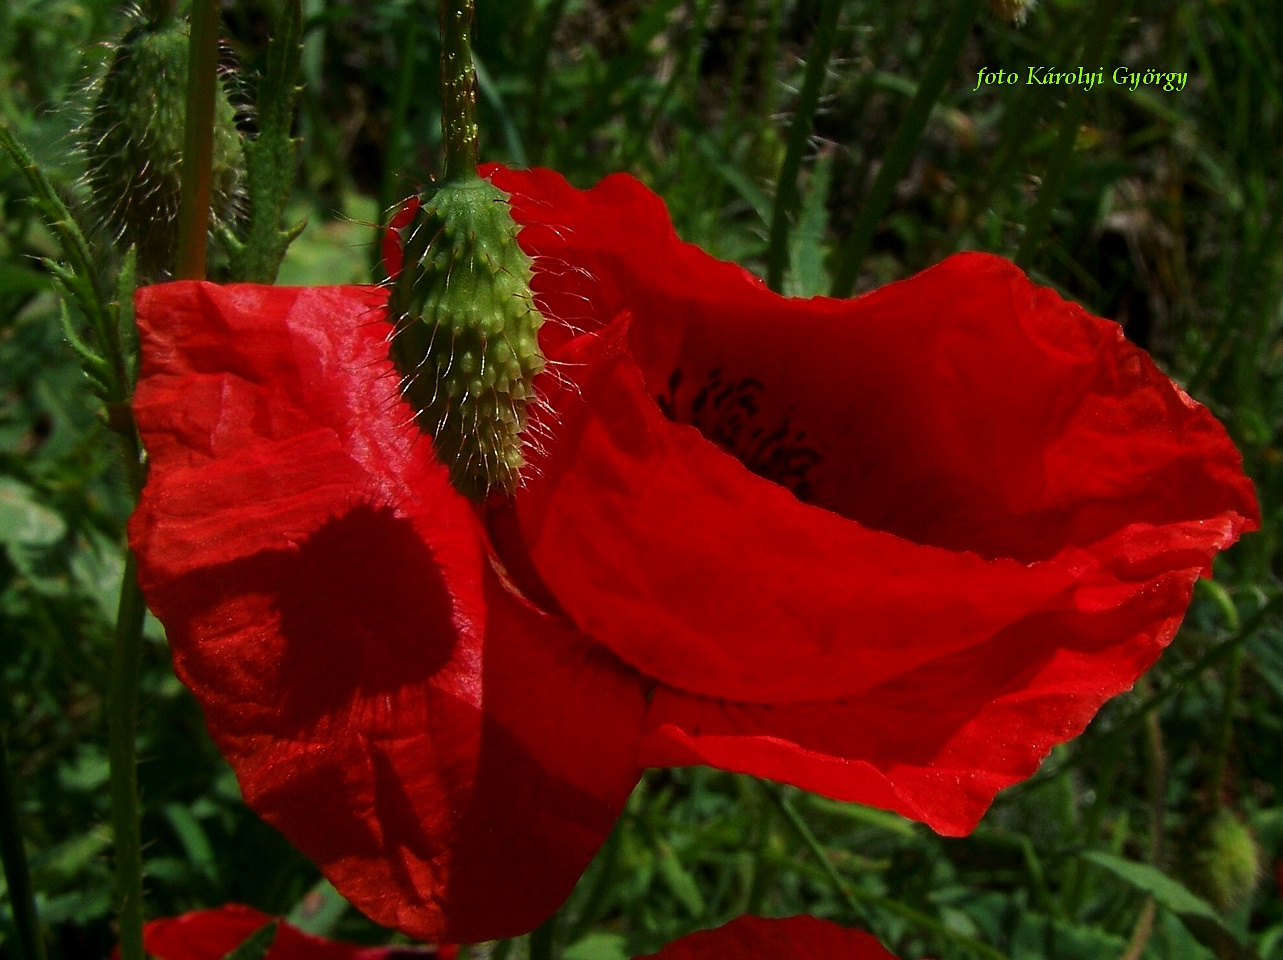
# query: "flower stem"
[[1095, 50], [198, 140], [122, 704], [17, 876], [1225, 728], [904, 144], [855, 898], [458, 89], [787, 199]]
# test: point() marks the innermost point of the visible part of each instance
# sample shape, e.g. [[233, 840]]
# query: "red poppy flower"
[[213, 934], [788, 938], [890, 549]]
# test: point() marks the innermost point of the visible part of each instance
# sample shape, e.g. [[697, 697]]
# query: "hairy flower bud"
[[466, 333], [133, 138], [1226, 861]]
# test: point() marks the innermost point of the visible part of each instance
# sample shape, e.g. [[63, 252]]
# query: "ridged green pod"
[[466, 334], [133, 139]]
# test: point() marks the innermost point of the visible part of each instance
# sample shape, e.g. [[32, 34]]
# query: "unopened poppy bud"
[[134, 141], [1227, 862], [466, 333], [1017, 11]]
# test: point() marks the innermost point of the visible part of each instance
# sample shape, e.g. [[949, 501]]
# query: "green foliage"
[[1166, 214], [271, 157]]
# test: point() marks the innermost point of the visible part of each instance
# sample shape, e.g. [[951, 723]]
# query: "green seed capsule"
[[134, 142], [1227, 862], [466, 334]]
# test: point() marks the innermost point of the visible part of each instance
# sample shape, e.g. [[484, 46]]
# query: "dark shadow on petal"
[[364, 611]]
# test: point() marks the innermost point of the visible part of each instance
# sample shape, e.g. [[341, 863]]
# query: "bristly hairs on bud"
[[465, 337], [133, 140]]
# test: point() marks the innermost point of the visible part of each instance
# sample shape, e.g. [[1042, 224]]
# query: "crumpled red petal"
[[450, 756], [890, 549], [213, 934], [787, 938]]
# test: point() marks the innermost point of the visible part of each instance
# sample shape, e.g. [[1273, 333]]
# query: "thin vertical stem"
[[787, 199], [739, 70], [1094, 54], [904, 144], [822, 859], [537, 70], [764, 870], [198, 140], [122, 709], [458, 89], [1225, 727], [396, 128], [17, 875]]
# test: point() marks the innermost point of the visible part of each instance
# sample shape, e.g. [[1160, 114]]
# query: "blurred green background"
[[1157, 834]]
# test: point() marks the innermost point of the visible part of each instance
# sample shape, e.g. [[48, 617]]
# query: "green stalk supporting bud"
[[458, 89], [466, 328], [134, 142]]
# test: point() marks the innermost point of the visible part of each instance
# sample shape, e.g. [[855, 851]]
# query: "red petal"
[[718, 582], [1006, 506], [212, 934], [384, 700], [393, 249], [789, 938]]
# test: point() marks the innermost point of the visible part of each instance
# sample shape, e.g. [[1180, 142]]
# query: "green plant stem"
[[1249, 285], [739, 70], [537, 69], [18, 877], [904, 144], [122, 707], [198, 140], [856, 899], [787, 197], [392, 163], [803, 830], [1095, 50], [458, 89], [271, 158], [1225, 728], [763, 870], [541, 939]]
